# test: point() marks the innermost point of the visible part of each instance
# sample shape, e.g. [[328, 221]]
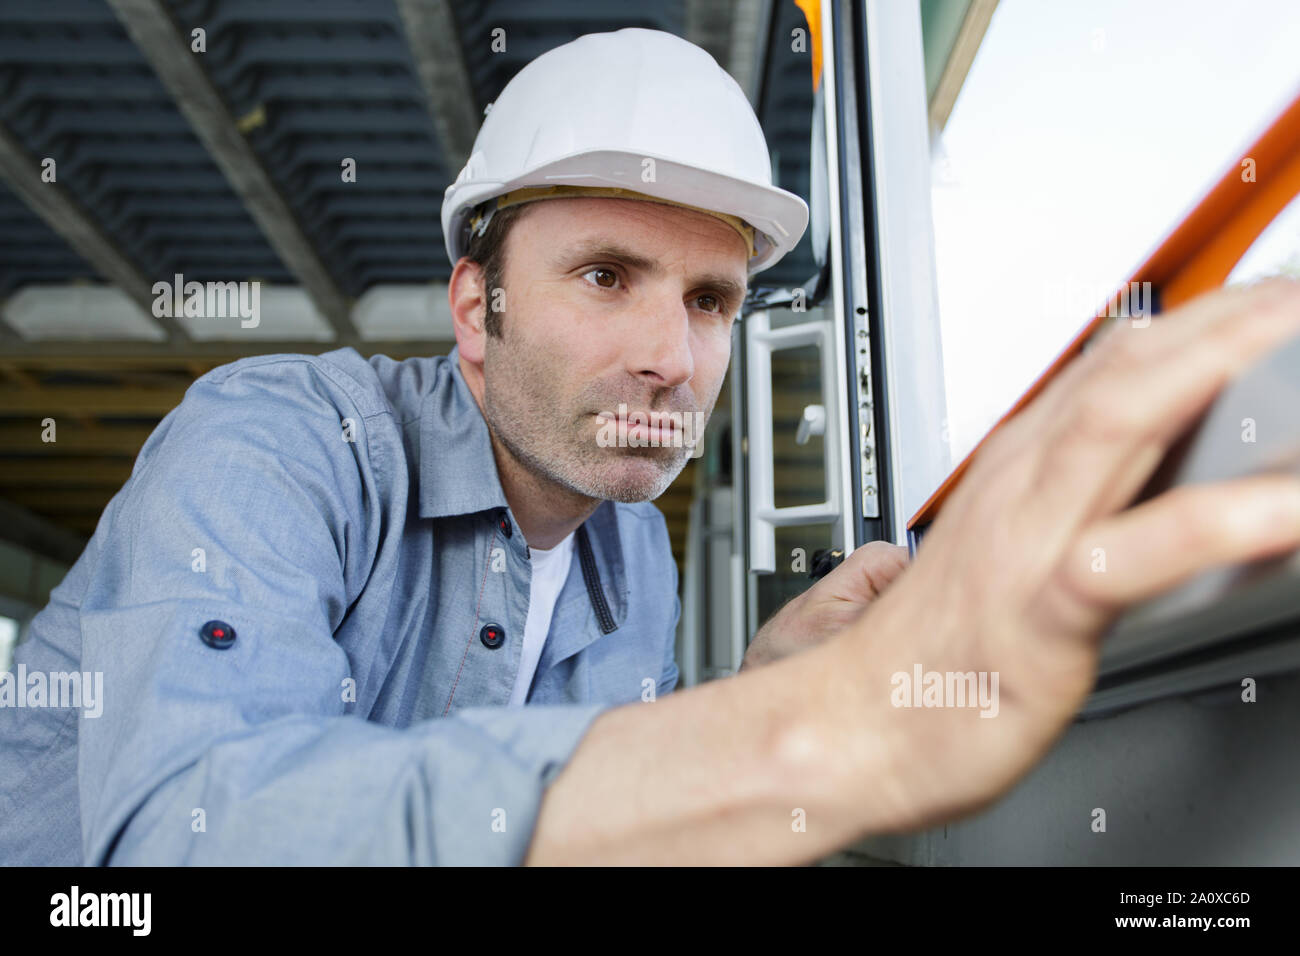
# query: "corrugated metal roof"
[[150, 183]]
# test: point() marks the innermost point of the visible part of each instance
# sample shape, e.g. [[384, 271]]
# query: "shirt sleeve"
[[247, 506]]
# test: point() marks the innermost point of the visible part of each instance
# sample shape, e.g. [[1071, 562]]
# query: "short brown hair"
[[489, 251]]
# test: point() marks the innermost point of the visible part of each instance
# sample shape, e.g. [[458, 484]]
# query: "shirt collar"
[[458, 472], [458, 475]]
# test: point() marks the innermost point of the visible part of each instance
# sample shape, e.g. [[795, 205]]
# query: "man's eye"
[[605, 278], [709, 303]]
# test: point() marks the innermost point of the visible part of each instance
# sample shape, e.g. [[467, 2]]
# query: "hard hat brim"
[[778, 217]]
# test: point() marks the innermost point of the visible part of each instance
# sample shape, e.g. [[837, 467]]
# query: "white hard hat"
[[641, 111]]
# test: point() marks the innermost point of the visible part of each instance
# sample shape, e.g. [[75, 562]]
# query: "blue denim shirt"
[[345, 518]]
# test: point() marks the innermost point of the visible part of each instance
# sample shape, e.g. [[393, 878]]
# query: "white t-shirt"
[[550, 571]]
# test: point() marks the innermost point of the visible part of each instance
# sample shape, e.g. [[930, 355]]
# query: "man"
[[312, 602], [322, 599]]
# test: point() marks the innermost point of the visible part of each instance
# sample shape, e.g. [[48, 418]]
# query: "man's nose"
[[659, 349]]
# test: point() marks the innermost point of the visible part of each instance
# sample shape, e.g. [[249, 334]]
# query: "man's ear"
[[465, 294]]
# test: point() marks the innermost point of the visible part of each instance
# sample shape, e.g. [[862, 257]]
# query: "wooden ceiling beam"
[[124, 355], [25, 439], [60, 501], [76, 472], [103, 401]]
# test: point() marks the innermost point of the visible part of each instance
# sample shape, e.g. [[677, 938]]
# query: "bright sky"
[[1085, 131]]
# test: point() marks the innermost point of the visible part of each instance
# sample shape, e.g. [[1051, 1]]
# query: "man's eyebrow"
[[725, 286], [602, 249]]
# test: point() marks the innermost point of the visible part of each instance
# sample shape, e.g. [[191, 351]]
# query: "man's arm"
[[739, 771], [725, 772], [248, 754]]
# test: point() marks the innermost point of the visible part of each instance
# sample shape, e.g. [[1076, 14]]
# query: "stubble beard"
[[522, 413]]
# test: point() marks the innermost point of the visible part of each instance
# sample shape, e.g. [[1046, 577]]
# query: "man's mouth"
[[652, 428]]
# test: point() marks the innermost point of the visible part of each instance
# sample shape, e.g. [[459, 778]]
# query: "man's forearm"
[[779, 765]]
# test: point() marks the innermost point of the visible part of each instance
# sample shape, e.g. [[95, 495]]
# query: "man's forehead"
[[642, 229]]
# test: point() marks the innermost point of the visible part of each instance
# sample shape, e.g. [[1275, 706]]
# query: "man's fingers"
[[879, 554], [1161, 543], [880, 562], [1142, 394], [864, 573]]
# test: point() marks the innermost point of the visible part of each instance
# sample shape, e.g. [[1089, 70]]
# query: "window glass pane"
[[798, 470], [1084, 132], [1275, 252], [785, 110], [795, 550]]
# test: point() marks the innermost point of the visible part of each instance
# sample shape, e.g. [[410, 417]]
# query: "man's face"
[[609, 303]]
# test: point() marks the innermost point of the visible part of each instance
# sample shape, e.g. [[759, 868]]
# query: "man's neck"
[[547, 514]]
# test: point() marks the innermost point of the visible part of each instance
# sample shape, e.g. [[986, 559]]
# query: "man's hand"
[[1008, 578], [830, 605]]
